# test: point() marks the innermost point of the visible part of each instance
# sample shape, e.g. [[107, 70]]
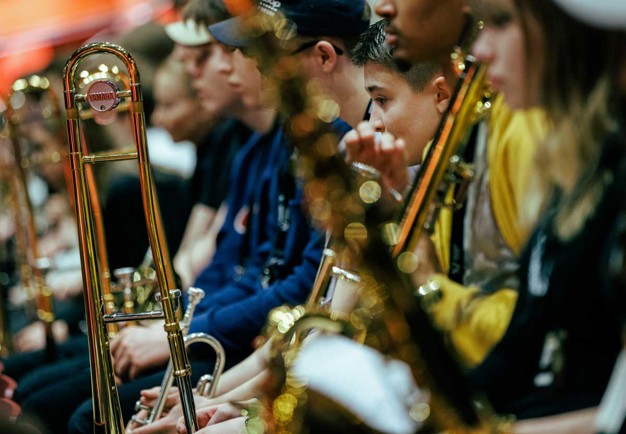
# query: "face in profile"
[[403, 111], [502, 44], [177, 109], [423, 30], [210, 66], [246, 80]]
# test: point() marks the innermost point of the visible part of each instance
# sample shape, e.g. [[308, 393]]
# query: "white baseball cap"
[[188, 33], [609, 14]]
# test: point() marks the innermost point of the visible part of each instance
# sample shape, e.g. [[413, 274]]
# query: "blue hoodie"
[[238, 297]]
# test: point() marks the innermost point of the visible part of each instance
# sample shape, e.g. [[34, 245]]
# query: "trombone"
[[104, 96]]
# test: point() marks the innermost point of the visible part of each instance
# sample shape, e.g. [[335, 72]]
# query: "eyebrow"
[[374, 88]]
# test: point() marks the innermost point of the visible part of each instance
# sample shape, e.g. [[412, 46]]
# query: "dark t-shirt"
[[209, 182], [560, 347], [124, 219]]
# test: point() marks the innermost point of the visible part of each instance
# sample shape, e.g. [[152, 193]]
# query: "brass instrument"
[[31, 100], [103, 96], [207, 384]]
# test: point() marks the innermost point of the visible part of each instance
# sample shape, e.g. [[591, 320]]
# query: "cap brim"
[[609, 14], [229, 32], [188, 33]]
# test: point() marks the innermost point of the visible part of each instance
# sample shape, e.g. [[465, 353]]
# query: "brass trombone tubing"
[[106, 407], [102, 157]]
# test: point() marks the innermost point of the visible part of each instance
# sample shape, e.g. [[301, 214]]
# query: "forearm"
[[198, 224], [242, 372], [576, 422], [245, 391]]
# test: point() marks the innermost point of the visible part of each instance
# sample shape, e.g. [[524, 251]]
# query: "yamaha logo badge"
[[269, 7], [102, 96]]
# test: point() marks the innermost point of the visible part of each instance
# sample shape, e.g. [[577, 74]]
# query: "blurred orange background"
[[32, 32]]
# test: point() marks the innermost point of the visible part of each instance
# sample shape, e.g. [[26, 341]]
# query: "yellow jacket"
[[474, 321]]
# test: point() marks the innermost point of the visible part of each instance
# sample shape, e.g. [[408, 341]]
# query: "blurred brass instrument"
[[390, 316], [206, 385], [103, 96], [31, 102]]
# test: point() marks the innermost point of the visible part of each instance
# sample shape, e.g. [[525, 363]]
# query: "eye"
[[380, 101], [500, 19]]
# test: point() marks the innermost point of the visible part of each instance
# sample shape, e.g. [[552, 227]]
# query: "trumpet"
[[104, 96]]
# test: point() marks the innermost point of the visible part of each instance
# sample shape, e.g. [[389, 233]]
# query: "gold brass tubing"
[[139, 316], [101, 157]]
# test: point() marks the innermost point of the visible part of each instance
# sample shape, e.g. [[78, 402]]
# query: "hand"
[[428, 260], [33, 336], [167, 423], [137, 349], [149, 397], [384, 153], [65, 284], [211, 415], [221, 413]]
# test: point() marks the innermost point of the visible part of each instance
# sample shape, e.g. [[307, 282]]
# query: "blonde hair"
[[577, 91]]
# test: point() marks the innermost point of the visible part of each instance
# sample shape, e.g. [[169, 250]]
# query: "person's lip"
[[392, 37]]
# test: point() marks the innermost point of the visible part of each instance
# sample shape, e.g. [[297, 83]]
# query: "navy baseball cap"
[[341, 18]]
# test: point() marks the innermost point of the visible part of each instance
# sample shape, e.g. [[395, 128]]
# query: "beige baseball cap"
[[609, 14], [188, 32]]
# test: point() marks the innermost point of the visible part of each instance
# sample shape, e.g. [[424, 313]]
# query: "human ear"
[[326, 55], [441, 93]]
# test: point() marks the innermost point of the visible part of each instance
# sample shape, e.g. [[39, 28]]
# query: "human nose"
[[386, 8], [482, 48], [376, 119], [224, 61]]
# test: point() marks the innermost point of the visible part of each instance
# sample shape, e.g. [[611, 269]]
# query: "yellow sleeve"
[[513, 138], [473, 321]]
